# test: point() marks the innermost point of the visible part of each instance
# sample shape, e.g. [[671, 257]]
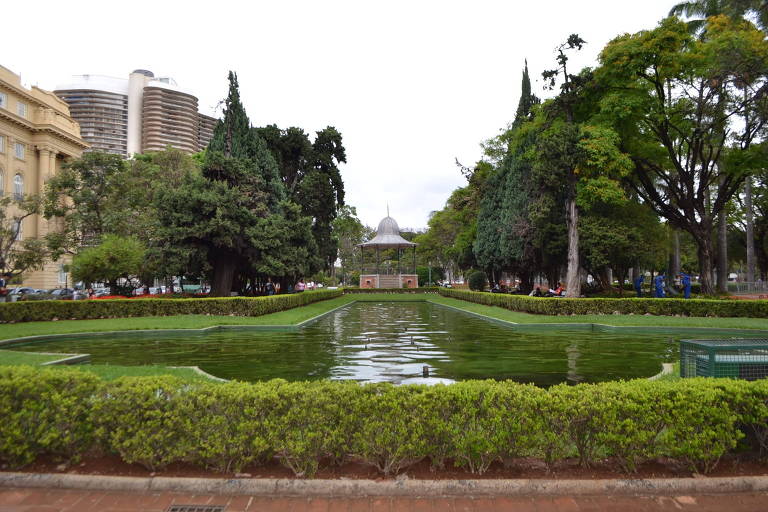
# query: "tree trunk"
[[705, 263], [722, 252], [223, 275], [762, 255], [750, 230], [675, 267], [573, 282]]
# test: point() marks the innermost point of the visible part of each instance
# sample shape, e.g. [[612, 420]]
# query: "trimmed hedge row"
[[120, 308], [156, 421], [635, 306], [420, 289]]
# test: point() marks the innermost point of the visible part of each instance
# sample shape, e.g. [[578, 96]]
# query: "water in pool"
[[393, 341]]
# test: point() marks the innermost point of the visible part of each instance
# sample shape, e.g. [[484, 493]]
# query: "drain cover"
[[196, 508]]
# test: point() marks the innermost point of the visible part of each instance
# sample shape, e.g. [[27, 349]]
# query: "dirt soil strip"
[[397, 487]]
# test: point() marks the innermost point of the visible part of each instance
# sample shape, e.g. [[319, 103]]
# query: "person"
[[639, 280], [658, 282], [300, 286], [495, 288], [3, 287], [146, 289], [91, 293], [685, 281], [270, 287], [536, 292]]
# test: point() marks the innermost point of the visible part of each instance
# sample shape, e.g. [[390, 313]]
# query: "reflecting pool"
[[394, 341]]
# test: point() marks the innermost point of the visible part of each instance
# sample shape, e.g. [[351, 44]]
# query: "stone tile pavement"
[[64, 500]]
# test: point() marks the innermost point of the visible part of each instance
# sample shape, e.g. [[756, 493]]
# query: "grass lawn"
[[11, 357]]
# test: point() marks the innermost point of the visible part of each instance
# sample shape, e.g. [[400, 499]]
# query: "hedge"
[[157, 421], [120, 308], [628, 306], [420, 289]]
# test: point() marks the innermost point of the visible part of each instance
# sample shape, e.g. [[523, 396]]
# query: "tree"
[[678, 102], [92, 197], [310, 173], [113, 259], [559, 150], [19, 255], [349, 232]]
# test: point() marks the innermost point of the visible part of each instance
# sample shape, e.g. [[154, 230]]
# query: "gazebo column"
[[378, 273], [399, 255], [414, 259]]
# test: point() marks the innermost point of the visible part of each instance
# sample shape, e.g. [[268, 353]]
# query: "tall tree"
[[678, 102]]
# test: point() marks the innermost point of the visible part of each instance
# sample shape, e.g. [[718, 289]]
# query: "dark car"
[[62, 293]]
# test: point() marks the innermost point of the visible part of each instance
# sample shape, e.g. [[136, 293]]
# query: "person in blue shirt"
[[685, 281], [658, 281], [639, 280]]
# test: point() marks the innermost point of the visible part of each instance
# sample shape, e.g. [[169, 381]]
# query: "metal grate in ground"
[[196, 508]]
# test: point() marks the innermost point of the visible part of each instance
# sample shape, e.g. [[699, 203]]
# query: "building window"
[[21, 109], [19, 147], [18, 227], [2, 183], [18, 187], [2, 143], [62, 274], [3, 100]]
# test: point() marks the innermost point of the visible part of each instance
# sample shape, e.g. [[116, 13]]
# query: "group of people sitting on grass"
[[558, 291]]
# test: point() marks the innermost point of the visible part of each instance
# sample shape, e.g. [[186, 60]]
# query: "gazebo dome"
[[388, 235]]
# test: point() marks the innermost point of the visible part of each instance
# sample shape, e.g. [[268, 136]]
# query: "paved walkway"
[[42, 500]]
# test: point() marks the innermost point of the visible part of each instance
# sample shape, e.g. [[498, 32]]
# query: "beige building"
[[135, 115], [37, 135]]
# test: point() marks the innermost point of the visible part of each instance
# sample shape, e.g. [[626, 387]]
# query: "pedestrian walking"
[[639, 280]]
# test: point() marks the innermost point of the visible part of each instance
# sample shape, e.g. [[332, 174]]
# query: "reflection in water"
[[393, 341]]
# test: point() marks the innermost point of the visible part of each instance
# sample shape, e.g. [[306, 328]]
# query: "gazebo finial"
[[387, 209]]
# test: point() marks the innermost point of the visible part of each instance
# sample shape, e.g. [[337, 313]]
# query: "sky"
[[411, 85]]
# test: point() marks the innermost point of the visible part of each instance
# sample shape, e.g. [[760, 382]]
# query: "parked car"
[[102, 292], [62, 293], [23, 291]]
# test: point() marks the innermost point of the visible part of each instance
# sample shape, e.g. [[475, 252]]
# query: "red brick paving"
[[55, 500]]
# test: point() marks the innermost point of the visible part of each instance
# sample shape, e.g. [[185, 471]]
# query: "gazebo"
[[376, 272]]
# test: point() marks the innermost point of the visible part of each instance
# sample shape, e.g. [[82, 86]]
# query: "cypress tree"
[[527, 100]]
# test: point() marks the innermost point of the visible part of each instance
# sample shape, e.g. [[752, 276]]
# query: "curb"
[[397, 487]]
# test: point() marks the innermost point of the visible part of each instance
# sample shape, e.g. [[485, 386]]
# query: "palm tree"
[[699, 10]]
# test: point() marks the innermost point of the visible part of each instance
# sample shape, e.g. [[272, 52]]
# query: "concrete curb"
[[397, 487]]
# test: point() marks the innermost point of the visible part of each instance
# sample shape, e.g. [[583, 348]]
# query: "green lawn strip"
[[675, 375], [617, 320], [11, 357], [111, 372]]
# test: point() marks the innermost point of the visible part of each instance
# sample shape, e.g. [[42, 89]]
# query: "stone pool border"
[[402, 486]]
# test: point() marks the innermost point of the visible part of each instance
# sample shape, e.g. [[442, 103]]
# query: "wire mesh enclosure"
[[735, 358]]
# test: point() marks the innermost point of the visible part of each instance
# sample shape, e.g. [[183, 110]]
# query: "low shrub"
[[608, 306], [45, 413], [157, 421], [476, 280], [89, 309]]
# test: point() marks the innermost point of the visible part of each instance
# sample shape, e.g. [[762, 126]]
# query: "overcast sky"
[[411, 85]]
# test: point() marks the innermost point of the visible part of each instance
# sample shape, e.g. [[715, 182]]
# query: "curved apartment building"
[[138, 114], [100, 105], [169, 118]]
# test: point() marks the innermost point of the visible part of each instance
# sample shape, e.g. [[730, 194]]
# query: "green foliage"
[[118, 308], [476, 280], [44, 413], [143, 420], [19, 256], [115, 257], [629, 306], [157, 421]]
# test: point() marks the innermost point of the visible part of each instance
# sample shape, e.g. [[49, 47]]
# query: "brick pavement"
[[43, 500]]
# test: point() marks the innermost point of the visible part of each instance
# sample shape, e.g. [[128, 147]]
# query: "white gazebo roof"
[[388, 235]]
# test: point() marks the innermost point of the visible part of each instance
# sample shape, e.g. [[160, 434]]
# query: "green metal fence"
[[734, 358]]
